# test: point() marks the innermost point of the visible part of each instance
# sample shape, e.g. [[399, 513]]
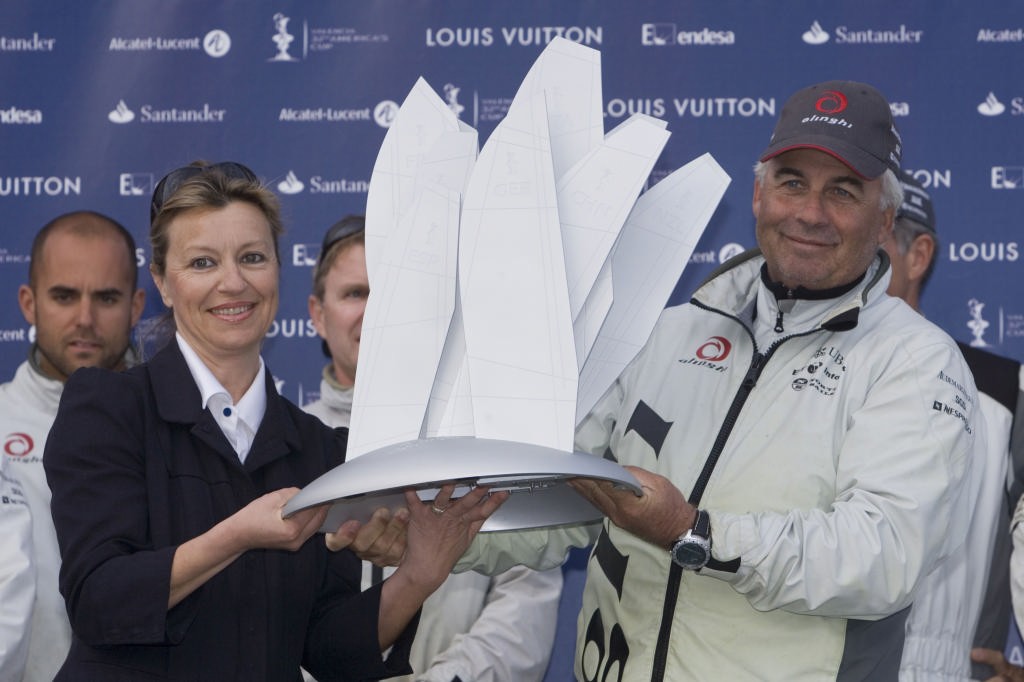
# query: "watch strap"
[[730, 566], [702, 525]]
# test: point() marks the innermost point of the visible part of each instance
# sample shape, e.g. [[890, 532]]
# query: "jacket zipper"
[[675, 571], [675, 576]]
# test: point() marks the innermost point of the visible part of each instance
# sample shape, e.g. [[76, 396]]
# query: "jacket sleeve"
[[1017, 563], [341, 643], [1016, 482], [901, 502], [942, 623], [512, 637], [115, 583], [17, 576]]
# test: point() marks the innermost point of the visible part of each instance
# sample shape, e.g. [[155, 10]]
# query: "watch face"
[[690, 554]]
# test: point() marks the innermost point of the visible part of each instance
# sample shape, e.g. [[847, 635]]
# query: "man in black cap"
[[803, 440], [983, 583]]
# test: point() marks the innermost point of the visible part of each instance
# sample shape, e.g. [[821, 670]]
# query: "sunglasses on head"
[[170, 183], [344, 228]]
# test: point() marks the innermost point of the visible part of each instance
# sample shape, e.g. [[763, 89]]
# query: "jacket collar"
[[733, 288], [178, 401], [333, 394], [36, 388]]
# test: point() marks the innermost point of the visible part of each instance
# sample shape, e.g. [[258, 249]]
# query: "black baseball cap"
[[344, 228], [917, 204], [848, 120]]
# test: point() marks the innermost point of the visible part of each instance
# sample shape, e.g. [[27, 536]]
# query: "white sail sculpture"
[[508, 292], [406, 324], [515, 304], [516, 378], [594, 198], [423, 118]]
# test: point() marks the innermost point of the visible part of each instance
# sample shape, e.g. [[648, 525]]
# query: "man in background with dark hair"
[[83, 301], [913, 249]]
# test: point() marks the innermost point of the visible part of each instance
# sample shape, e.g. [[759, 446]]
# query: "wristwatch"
[[692, 550]]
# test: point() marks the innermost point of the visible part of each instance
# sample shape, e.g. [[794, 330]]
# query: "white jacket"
[[943, 623], [843, 446], [999, 384], [474, 627], [17, 574], [1017, 562], [944, 618], [28, 405]]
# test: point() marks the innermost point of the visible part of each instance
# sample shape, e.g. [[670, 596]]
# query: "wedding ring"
[[437, 510]]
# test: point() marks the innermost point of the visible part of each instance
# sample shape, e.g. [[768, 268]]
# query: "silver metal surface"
[[535, 475]]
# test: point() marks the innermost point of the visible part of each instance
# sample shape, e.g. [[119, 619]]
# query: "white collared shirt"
[[238, 422]]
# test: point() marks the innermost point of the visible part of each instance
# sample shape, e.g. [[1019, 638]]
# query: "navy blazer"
[[137, 467]]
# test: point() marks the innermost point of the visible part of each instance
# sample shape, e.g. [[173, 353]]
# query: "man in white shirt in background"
[[17, 576], [82, 299], [475, 628]]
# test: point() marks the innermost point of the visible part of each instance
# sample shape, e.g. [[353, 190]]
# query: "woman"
[[168, 483]]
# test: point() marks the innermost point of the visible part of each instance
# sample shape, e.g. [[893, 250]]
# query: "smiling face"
[[221, 281], [338, 316], [819, 224], [83, 302]]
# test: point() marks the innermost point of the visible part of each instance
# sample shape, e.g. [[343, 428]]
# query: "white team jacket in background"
[[944, 616], [28, 405], [1017, 563], [17, 574]]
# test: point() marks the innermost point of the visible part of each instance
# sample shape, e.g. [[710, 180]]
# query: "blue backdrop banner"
[[99, 99]]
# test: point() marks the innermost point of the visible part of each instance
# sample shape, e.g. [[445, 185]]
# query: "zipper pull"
[[750, 378], [778, 323]]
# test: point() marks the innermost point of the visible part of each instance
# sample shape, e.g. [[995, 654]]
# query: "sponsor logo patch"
[[710, 354], [823, 373]]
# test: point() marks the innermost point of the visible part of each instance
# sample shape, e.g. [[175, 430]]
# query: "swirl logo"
[[832, 102], [729, 250], [714, 349], [217, 43], [18, 444], [385, 113]]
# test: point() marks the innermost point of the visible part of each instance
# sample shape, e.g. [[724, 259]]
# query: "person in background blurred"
[[169, 482], [984, 583], [17, 576], [83, 300], [475, 627]]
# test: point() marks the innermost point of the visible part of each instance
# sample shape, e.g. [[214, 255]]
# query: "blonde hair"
[[210, 188]]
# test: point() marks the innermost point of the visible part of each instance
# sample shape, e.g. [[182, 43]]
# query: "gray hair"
[[892, 190], [904, 232]]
